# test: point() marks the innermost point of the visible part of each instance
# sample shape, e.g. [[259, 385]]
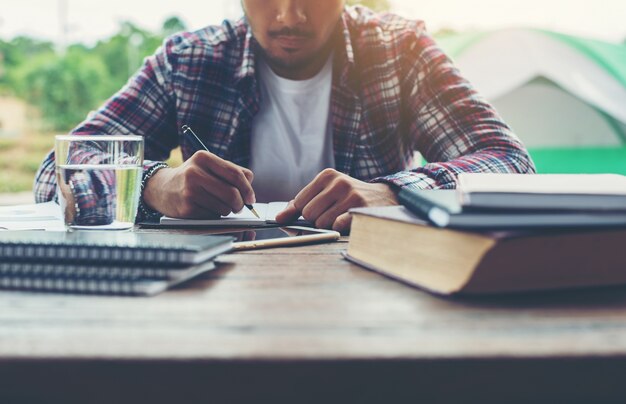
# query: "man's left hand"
[[327, 199]]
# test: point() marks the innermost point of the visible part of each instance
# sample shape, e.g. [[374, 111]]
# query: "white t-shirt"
[[291, 140]]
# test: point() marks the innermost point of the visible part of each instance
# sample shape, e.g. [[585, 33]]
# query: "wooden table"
[[302, 325]]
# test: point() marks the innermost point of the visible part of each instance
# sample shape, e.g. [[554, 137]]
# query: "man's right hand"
[[205, 186]]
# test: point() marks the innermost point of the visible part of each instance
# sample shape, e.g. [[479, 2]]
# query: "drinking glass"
[[99, 180]]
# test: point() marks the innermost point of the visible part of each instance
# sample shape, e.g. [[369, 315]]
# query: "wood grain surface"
[[304, 317]]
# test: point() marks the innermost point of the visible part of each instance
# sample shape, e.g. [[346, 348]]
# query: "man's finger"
[[343, 223], [314, 188], [194, 210], [230, 173], [211, 206], [235, 175], [320, 204], [248, 173], [209, 184], [226, 193], [330, 216], [290, 214]]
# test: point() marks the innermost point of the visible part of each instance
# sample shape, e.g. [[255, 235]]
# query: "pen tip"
[[253, 211]]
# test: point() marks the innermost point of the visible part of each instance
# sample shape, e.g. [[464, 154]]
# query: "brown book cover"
[[396, 243]]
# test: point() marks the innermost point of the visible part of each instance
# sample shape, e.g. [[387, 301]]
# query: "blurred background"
[[555, 69]]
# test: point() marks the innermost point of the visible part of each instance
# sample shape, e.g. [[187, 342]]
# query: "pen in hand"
[[188, 131]]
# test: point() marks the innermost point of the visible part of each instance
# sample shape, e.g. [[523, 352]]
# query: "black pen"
[[187, 130]]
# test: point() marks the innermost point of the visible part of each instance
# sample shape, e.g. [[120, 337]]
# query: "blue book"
[[443, 208]]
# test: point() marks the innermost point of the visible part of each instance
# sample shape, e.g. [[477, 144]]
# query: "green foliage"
[[173, 25], [15, 55], [66, 87], [376, 5], [123, 53]]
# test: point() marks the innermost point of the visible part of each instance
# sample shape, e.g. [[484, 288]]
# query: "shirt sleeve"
[[450, 124], [144, 107]]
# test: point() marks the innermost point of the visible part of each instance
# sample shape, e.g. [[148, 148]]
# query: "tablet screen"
[[268, 234]]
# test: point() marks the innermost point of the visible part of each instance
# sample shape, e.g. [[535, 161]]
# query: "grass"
[[11, 182], [40, 144], [19, 160], [8, 144]]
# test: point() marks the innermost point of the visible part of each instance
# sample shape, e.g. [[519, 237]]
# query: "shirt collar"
[[344, 61], [247, 68]]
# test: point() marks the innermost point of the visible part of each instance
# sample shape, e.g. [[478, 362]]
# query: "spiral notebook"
[[94, 279], [111, 247]]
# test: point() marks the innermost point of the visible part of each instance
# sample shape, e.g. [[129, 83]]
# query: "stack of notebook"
[[499, 233], [135, 264]]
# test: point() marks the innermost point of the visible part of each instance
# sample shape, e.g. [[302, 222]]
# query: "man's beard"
[[295, 63], [291, 64]]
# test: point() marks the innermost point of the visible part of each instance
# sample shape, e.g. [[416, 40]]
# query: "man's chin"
[[290, 60]]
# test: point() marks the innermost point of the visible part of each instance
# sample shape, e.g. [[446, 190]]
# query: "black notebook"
[[443, 208], [96, 279], [111, 247]]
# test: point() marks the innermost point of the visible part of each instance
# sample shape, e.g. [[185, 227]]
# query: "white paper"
[[266, 211], [43, 216]]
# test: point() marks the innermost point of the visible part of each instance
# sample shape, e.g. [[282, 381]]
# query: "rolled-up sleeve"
[[451, 125], [144, 107]]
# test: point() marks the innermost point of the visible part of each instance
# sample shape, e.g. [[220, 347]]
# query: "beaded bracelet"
[[146, 213]]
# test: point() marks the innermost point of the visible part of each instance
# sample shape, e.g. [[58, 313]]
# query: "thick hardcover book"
[[398, 244], [94, 279], [543, 191], [111, 247], [443, 208]]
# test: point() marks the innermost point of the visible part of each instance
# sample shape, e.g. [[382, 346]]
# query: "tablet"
[[251, 239]]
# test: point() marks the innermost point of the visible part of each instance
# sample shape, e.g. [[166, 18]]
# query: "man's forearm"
[[443, 175]]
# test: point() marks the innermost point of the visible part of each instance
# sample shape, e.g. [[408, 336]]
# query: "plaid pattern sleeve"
[[143, 107], [449, 123]]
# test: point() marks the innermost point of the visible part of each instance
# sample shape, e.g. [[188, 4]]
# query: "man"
[[301, 100]]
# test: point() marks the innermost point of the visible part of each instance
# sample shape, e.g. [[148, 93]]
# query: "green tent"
[[564, 96]]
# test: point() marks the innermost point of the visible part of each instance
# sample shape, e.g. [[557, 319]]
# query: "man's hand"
[[327, 199], [205, 186]]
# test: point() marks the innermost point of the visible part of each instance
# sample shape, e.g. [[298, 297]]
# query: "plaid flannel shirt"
[[394, 92]]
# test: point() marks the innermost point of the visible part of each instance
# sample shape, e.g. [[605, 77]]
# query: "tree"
[[65, 88], [173, 25], [122, 54], [376, 5], [15, 55]]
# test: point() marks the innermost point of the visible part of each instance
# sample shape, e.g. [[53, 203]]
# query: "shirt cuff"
[[408, 179], [145, 212]]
